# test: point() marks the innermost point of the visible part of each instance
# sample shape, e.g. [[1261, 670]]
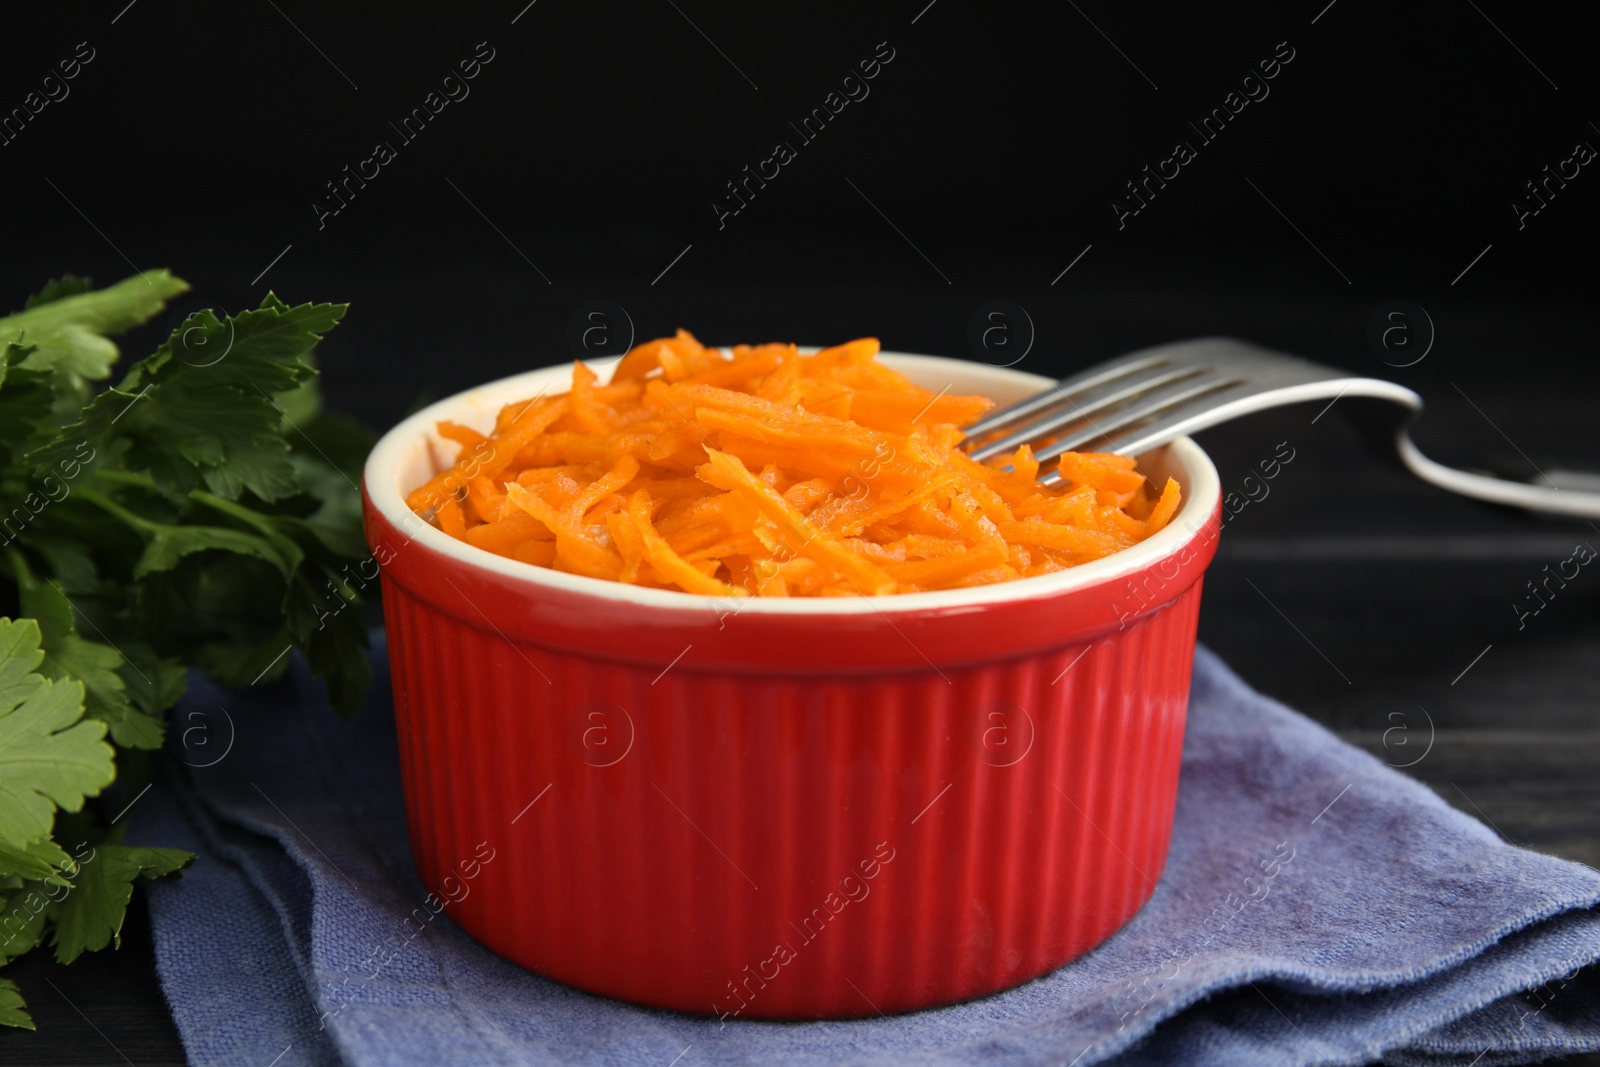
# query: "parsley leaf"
[[40, 861], [27, 912], [26, 397], [12, 1005], [56, 288], [48, 758], [202, 513], [201, 409], [69, 326], [90, 916], [100, 667]]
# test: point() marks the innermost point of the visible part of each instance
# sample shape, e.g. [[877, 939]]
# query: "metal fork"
[[1143, 400]]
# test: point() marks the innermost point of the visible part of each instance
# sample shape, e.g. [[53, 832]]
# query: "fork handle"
[[1388, 424], [1495, 490], [1384, 426]]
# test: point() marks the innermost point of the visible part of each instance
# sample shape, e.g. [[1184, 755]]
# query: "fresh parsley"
[[202, 512]]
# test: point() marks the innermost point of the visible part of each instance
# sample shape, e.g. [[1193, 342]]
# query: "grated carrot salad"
[[768, 473]]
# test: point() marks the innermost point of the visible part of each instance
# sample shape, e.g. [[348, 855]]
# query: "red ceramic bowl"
[[786, 809]]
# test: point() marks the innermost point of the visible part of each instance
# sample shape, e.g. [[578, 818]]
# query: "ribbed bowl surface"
[[767, 815]]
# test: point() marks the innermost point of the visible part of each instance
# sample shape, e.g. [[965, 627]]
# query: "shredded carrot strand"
[[768, 473], [1165, 508]]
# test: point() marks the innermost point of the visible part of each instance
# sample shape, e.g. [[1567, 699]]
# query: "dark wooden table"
[[1351, 592]]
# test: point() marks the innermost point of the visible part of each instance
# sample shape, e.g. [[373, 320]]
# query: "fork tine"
[[1067, 410], [1059, 392], [1185, 419], [1168, 402]]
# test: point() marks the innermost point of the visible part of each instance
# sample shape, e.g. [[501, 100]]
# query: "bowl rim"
[[1194, 469]]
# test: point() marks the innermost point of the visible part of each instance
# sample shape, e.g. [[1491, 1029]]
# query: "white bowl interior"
[[413, 452]]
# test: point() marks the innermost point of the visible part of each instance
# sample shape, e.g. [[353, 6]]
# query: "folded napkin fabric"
[[1317, 908]]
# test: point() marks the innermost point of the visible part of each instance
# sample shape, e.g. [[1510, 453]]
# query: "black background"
[[592, 145], [1380, 167]]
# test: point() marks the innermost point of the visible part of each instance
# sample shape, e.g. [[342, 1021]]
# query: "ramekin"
[[786, 809]]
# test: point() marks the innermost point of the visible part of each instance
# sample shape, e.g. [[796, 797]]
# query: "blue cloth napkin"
[[1317, 908]]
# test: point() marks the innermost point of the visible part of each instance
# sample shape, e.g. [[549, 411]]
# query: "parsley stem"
[[226, 506], [111, 507]]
